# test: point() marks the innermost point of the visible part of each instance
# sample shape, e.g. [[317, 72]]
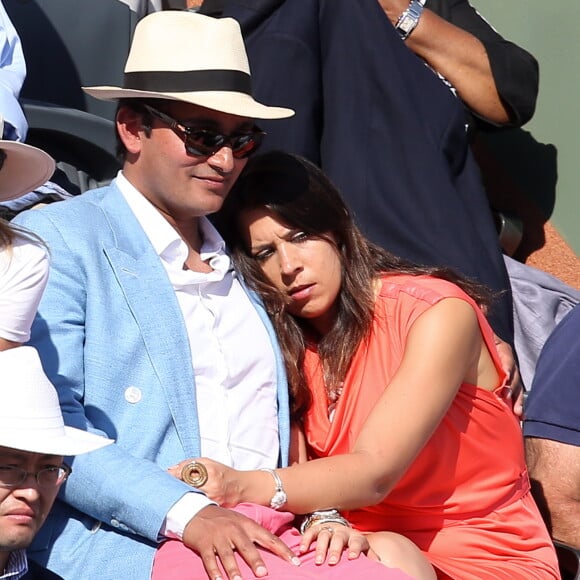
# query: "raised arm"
[[496, 79]]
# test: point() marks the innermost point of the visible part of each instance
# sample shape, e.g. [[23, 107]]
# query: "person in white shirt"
[[151, 338], [23, 257]]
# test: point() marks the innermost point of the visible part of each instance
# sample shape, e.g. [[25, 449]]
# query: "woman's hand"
[[223, 482], [332, 540]]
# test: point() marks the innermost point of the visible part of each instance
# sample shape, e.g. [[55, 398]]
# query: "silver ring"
[[194, 474], [328, 529]]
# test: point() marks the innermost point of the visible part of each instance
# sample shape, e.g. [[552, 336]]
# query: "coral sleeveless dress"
[[465, 500]]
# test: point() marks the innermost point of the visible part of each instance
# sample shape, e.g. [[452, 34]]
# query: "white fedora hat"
[[30, 415], [183, 56], [22, 167]]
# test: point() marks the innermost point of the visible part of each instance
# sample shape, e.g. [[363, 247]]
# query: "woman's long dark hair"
[[299, 193]]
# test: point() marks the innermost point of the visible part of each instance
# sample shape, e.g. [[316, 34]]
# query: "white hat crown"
[[163, 42], [30, 414]]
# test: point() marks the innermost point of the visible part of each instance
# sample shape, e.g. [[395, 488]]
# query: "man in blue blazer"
[[111, 331], [148, 334]]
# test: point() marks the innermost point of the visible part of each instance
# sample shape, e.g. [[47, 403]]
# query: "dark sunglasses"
[[204, 142]]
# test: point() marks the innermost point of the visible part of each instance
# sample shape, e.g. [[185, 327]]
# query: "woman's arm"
[[402, 421]]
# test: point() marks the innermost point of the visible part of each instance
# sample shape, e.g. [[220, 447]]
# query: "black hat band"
[[189, 81]]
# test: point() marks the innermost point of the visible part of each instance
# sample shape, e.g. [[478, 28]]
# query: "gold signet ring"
[[194, 474]]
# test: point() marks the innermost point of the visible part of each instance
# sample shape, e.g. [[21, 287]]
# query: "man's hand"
[[216, 533]]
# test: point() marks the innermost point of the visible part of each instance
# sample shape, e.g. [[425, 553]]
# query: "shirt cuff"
[[181, 512]]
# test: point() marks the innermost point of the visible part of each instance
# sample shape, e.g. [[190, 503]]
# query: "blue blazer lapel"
[[152, 301]]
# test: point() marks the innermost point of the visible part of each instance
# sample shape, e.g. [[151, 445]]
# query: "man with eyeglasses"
[[151, 338], [33, 441]]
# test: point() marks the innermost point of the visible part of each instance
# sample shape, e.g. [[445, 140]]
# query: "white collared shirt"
[[233, 359]]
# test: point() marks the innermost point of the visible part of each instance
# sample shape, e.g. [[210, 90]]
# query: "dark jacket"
[[38, 572], [383, 127]]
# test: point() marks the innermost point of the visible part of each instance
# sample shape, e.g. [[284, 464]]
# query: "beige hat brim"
[[234, 103], [25, 168]]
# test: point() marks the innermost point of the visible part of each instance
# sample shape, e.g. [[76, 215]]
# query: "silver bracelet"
[[323, 517], [279, 498]]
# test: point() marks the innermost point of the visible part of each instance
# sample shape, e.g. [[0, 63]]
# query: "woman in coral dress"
[[397, 388], [465, 499]]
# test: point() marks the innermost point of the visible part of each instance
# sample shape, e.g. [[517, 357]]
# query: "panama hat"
[[30, 415], [23, 169], [190, 57]]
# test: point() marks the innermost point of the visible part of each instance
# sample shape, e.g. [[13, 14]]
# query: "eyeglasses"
[[48, 477], [204, 142]]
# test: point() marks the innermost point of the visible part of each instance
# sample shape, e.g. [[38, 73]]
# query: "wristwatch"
[[410, 18]]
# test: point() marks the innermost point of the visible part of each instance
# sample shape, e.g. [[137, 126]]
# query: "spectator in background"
[[12, 75], [552, 431], [14, 123], [541, 301], [33, 441], [361, 95], [23, 257]]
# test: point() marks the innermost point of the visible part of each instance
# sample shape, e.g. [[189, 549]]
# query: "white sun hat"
[[30, 415], [22, 167], [183, 56]]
